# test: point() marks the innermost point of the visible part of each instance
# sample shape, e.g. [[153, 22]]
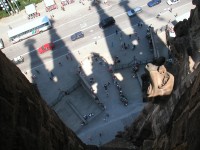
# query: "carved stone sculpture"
[[161, 81]]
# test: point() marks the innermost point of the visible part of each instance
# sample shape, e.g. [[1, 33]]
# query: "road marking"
[[82, 25], [97, 24]]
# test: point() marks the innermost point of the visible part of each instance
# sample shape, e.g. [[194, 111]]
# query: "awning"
[[49, 3], [30, 9]]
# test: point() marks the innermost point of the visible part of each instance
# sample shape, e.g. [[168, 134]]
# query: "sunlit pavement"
[[65, 77]]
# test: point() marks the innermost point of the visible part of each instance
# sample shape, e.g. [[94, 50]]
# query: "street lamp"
[[13, 11], [4, 6], [14, 1]]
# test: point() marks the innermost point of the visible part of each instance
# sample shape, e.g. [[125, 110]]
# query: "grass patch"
[[21, 5]]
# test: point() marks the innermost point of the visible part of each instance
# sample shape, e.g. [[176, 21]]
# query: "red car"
[[46, 47]]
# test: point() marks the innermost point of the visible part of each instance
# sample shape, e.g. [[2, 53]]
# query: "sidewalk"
[[72, 11]]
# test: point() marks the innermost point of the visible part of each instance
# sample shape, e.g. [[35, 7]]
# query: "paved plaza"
[[78, 101]]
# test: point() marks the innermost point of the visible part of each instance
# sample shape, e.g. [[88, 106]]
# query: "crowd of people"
[[123, 98]]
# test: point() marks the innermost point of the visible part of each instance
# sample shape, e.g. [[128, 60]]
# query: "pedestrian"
[[62, 8], [91, 80], [50, 78], [124, 44], [100, 134], [25, 72], [79, 53], [34, 76], [138, 38], [96, 42], [141, 24], [52, 16], [37, 71], [108, 83], [60, 64], [176, 15], [52, 74], [105, 87], [135, 33], [107, 115], [133, 47], [125, 47], [10, 27], [158, 15], [89, 8], [67, 57], [116, 31], [156, 31], [169, 21], [66, 93], [170, 10], [129, 36], [107, 94], [70, 57]]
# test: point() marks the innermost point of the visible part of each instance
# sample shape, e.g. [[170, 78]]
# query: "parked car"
[[107, 22], [46, 47], [171, 2], [77, 35], [134, 11], [1, 44], [153, 3], [18, 60]]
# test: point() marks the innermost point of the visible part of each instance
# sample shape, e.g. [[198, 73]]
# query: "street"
[[56, 72]]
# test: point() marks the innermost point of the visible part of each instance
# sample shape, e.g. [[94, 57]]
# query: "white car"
[[171, 2], [134, 11]]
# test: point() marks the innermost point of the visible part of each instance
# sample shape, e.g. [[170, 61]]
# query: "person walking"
[[170, 10], [116, 31], [105, 87], [52, 74], [129, 36], [133, 47], [158, 15], [37, 71], [10, 27]]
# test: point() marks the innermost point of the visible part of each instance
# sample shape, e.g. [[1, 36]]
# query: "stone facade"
[[26, 121]]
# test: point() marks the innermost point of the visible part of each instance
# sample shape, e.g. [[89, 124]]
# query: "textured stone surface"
[[26, 122], [174, 123]]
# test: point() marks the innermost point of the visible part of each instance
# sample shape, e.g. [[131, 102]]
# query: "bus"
[[29, 29]]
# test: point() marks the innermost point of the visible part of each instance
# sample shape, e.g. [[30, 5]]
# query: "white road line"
[[102, 37]]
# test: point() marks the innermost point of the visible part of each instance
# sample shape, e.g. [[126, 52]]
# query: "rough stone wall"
[[26, 122], [173, 123]]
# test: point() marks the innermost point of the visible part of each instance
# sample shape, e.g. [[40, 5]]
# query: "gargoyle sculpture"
[[161, 81]]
